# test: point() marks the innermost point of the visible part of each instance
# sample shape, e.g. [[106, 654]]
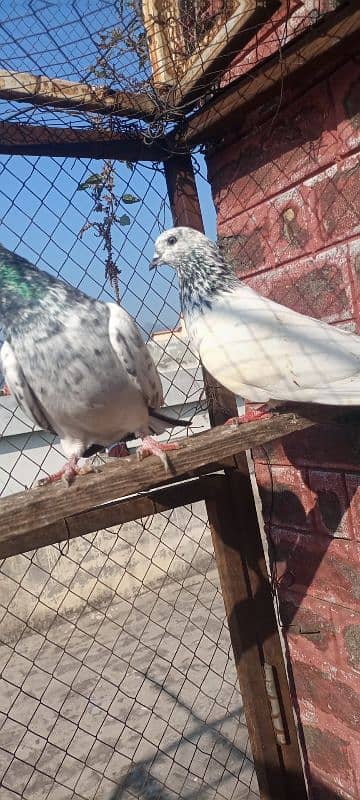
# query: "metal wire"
[[117, 675]]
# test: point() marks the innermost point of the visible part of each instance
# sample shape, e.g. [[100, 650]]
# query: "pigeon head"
[[181, 247], [199, 264]]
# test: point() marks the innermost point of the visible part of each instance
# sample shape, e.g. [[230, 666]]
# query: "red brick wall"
[[288, 204]]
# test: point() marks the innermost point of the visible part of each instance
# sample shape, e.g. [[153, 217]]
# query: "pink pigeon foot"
[[251, 415], [119, 450], [5, 391], [150, 447], [67, 473]]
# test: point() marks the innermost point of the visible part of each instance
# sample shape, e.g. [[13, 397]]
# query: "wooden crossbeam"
[[39, 90], [212, 120], [27, 513], [40, 140], [115, 513]]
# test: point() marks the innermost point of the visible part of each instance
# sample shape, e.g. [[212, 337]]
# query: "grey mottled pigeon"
[[76, 366], [255, 347]]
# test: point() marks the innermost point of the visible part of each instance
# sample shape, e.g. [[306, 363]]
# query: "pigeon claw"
[[150, 447], [251, 415], [5, 391], [68, 473]]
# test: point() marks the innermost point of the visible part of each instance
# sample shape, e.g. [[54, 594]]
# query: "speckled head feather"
[[200, 266]]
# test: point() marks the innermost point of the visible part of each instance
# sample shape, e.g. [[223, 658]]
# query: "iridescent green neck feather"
[[21, 285]]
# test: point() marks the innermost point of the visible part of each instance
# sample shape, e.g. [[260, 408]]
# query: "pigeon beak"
[[155, 262]]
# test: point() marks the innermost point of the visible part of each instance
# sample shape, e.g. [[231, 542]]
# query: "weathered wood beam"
[[36, 508], [242, 569], [116, 513], [255, 641], [207, 64], [321, 41], [40, 140], [40, 90]]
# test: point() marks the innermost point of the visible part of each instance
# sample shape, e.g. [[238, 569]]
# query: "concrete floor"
[[124, 689]]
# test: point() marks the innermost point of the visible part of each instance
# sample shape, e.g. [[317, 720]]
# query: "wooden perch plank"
[[42, 91], [36, 140], [213, 119], [39, 507], [115, 513]]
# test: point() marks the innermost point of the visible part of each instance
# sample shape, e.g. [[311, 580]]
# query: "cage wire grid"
[[117, 675]]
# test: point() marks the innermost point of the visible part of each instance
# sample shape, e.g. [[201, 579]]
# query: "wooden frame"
[[314, 46], [243, 572], [26, 514], [18, 138], [189, 75], [61, 94], [249, 610]]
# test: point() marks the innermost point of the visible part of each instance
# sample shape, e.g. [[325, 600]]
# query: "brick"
[[327, 446], [285, 491], [261, 165], [307, 618], [331, 511], [329, 753], [353, 493], [319, 631], [333, 200], [345, 90], [320, 211], [322, 788], [276, 231], [285, 22], [354, 262], [324, 691], [326, 568], [351, 635], [317, 286]]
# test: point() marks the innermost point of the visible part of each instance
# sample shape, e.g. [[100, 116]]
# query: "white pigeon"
[[253, 346], [76, 366]]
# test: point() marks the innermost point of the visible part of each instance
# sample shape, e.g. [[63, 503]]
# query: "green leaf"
[[129, 199], [124, 220], [92, 180]]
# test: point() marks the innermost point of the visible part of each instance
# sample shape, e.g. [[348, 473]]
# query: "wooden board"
[[115, 513], [41, 140], [189, 75], [214, 118], [39, 90], [37, 508]]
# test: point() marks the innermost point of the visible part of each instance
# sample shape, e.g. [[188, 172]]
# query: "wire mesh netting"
[[117, 676]]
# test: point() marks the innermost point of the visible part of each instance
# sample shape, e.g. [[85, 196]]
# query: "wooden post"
[[244, 578]]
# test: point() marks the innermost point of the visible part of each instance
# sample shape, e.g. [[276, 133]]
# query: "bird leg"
[[251, 415], [68, 472], [5, 391], [149, 447]]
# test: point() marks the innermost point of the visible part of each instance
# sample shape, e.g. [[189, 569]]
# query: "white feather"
[[255, 347], [262, 350]]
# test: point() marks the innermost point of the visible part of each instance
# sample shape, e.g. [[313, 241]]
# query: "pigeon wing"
[[250, 342], [128, 345], [21, 389]]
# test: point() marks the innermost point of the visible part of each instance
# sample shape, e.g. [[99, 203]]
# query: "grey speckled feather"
[[76, 366]]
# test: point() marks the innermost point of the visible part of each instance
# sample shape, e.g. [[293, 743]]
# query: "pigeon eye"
[[172, 240]]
